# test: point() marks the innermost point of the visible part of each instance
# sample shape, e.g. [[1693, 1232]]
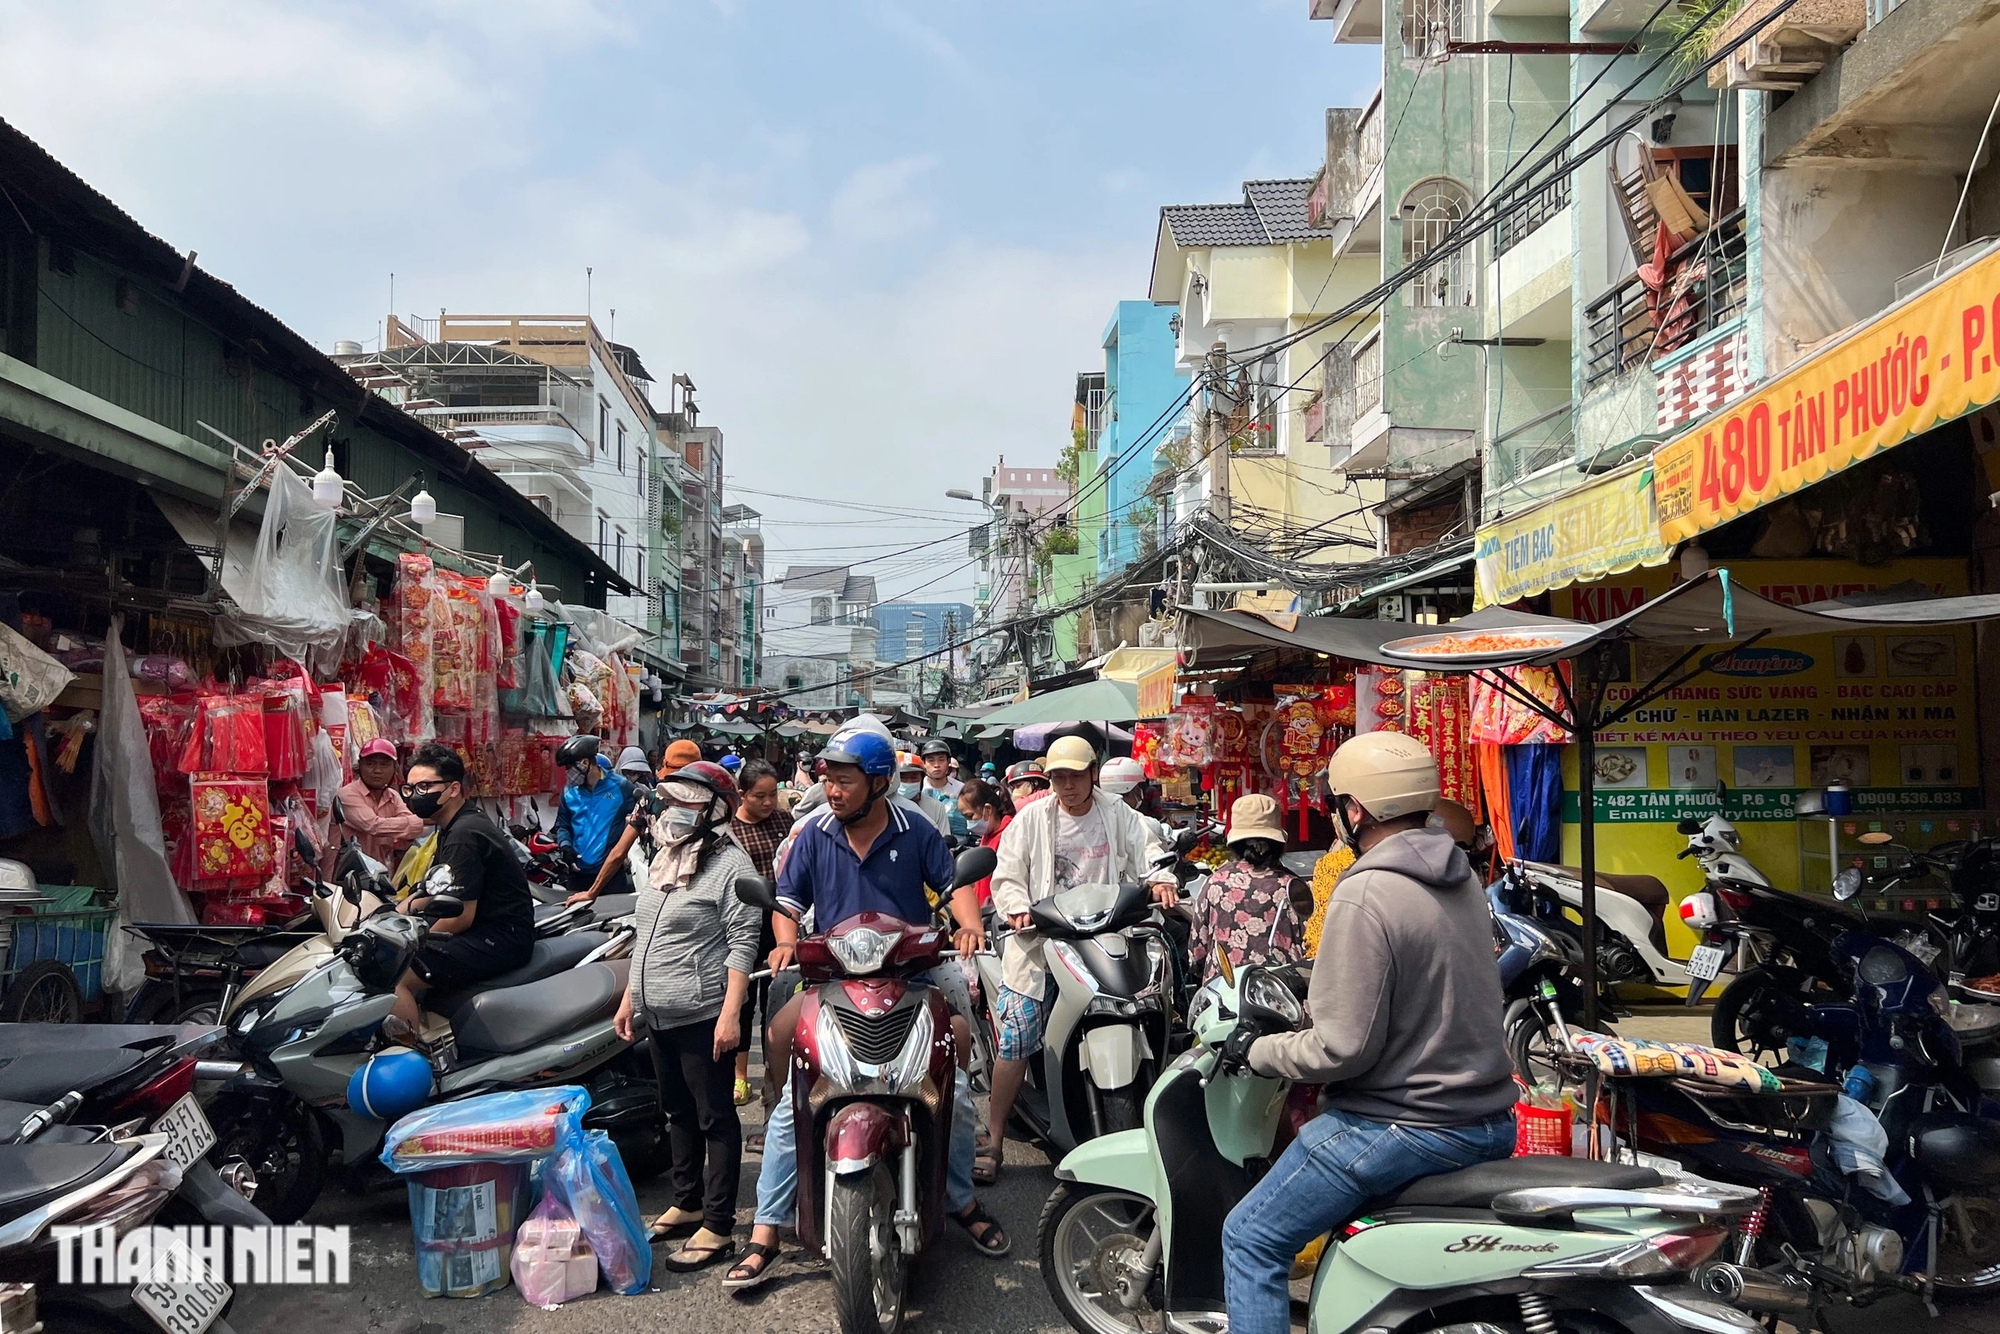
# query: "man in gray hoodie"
[[1406, 1010]]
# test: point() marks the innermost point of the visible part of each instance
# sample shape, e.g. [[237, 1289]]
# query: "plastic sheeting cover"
[[294, 598], [125, 822]]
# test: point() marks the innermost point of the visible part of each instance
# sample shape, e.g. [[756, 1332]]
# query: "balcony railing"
[[1368, 377], [1369, 134], [1703, 289], [1522, 223]]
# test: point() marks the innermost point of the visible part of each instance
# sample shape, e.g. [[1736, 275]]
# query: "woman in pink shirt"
[[374, 811]]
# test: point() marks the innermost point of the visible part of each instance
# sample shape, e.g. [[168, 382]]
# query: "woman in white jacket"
[[1080, 836]]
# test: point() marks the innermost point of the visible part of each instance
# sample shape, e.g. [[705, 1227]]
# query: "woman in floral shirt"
[[1249, 907]]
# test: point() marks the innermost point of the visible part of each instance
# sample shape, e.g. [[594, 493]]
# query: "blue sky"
[[882, 237]]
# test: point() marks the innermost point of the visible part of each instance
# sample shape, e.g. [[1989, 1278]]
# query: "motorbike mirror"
[[1847, 884], [339, 815], [441, 906], [757, 892], [974, 864], [1185, 840], [1687, 827], [304, 846]]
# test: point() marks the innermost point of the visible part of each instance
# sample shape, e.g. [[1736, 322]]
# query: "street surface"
[[955, 1289]]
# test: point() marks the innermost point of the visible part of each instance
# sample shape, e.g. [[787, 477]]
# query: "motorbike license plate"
[[1706, 962], [183, 1308], [189, 1135]]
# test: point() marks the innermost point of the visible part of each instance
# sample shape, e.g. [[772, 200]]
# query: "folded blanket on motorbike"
[[1686, 1060]]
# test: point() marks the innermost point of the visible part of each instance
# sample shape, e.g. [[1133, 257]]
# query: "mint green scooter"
[[1132, 1237]]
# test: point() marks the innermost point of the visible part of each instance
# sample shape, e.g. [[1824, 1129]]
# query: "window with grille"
[[603, 427], [1428, 25], [603, 534], [618, 551], [621, 446], [1431, 212]]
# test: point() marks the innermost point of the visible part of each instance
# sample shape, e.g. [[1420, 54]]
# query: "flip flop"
[[660, 1231], [993, 1242], [764, 1257], [690, 1258], [986, 1166]]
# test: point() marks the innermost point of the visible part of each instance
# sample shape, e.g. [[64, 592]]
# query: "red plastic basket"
[[1541, 1130]]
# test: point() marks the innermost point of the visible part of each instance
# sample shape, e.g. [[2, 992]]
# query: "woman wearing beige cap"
[[1249, 908]]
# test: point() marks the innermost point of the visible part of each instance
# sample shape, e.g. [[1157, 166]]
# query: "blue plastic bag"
[[517, 1126], [589, 1179]]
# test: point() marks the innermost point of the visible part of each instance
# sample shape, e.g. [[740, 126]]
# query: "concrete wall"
[[1142, 383]]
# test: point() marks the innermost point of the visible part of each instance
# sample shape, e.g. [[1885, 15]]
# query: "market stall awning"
[[1091, 702], [1925, 360], [1606, 526], [1448, 567], [1217, 633]]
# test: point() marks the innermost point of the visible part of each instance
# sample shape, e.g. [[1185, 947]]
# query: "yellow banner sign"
[[1156, 691], [1606, 527], [1929, 360]]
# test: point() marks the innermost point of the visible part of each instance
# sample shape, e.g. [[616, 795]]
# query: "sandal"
[[742, 1092], [662, 1229], [690, 1258], [992, 1242], [986, 1164], [761, 1260]]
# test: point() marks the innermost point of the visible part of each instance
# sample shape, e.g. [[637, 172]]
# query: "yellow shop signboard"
[[1604, 527], [1930, 359]]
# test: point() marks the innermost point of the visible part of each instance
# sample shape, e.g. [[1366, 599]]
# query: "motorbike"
[[1934, 1228], [193, 972], [1132, 1237], [1109, 1021], [1631, 922], [54, 1172], [547, 863], [1540, 957], [546, 1022], [874, 1071]]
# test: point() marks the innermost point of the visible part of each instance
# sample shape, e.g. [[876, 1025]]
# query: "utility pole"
[[1218, 430]]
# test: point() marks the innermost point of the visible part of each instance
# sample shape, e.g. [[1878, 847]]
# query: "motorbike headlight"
[[1067, 955], [249, 1017], [1268, 993], [1883, 967], [862, 950], [1205, 1002]]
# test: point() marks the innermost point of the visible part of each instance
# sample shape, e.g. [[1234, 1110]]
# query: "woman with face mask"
[[691, 964], [988, 810]]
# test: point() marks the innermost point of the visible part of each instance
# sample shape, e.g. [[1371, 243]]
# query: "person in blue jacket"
[[592, 814]]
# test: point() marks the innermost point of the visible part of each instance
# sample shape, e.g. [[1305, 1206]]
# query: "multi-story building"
[[555, 408], [743, 595], [819, 642], [1143, 385], [1017, 500], [702, 618]]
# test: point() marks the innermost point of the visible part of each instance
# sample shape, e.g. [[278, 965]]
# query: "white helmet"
[[1121, 775], [1390, 773]]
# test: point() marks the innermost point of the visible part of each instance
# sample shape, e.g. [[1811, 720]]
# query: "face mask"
[[1350, 833], [980, 827], [425, 804], [681, 822], [579, 774], [909, 791]]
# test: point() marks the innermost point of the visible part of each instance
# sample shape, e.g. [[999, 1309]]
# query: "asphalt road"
[[954, 1288]]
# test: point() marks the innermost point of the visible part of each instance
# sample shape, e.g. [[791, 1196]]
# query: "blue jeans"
[[1338, 1163], [778, 1177]]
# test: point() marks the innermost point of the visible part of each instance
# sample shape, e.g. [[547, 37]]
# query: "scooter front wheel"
[[1093, 1240], [865, 1254]]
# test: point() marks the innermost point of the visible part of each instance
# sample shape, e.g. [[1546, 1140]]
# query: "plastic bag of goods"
[[464, 1219], [553, 1262], [588, 1178], [518, 1126]]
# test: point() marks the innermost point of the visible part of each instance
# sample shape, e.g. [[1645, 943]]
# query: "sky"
[[882, 238]]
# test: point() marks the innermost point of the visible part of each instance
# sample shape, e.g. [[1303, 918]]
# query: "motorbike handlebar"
[[1683, 854]]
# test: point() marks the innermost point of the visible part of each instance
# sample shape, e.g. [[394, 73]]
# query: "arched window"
[[1431, 211]]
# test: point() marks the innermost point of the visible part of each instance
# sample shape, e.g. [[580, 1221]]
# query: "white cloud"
[[876, 203]]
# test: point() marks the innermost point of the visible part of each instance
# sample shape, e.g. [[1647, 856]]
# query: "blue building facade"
[[940, 623], [1141, 384]]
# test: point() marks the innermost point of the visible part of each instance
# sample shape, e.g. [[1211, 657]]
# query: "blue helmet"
[[390, 1085], [874, 755], [732, 762]]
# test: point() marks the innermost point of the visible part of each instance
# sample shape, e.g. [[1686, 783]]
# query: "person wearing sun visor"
[[591, 815], [861, 852], [1405, 1030]]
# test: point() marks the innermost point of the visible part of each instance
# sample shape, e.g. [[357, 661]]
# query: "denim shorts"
[[1022, 1020]]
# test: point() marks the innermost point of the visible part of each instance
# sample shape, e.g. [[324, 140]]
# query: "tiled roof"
[[1272, 213]]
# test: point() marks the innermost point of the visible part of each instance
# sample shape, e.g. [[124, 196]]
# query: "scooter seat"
[[608, 907], [1649, 891], [1474, 1187], [33, 1174], [550, 956], [42, 1077], [498, 1023]]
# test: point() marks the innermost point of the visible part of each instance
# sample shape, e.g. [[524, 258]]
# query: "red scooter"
[[874, 1071]]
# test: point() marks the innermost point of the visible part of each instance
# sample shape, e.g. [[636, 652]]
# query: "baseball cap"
[[679, 755], [381, 745], [1069, 752]]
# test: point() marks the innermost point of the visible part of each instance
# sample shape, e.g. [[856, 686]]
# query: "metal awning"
[[1459, 564]]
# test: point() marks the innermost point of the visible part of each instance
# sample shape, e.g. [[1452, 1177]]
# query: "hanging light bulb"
[[423, 505], [499, 584], [533, 601], [1694, 561], [328, 486]]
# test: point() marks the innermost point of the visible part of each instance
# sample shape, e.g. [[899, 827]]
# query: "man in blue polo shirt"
[[862, 853]]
